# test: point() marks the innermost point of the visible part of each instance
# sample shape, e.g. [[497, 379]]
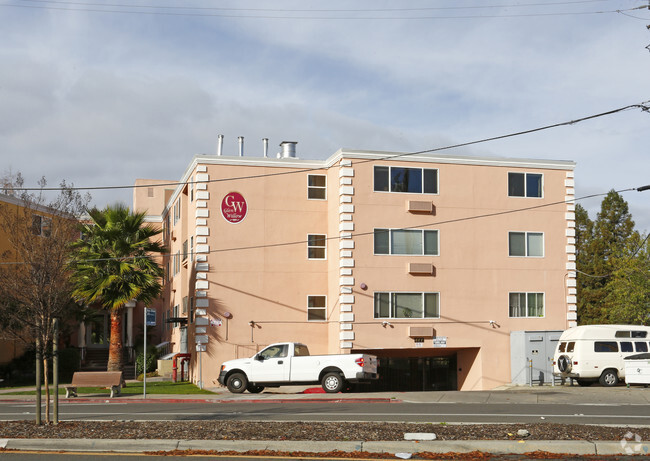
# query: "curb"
[[172, 400], [501, 447]]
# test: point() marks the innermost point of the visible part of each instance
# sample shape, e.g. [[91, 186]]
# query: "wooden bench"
[[107, 379]]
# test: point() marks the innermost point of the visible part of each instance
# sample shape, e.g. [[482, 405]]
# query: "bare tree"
[[35, 286]]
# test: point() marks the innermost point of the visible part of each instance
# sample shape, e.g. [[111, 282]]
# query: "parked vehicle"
[[285, 364], [595, 353]]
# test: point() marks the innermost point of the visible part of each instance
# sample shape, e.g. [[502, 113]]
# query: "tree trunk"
[[46, 379], [115, 353]]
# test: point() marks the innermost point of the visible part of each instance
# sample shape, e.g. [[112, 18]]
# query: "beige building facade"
[[428, 261]]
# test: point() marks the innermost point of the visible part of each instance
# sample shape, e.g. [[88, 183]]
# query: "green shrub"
[[152, 361]]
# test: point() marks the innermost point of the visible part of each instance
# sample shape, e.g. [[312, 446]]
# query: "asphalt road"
[[588, 413]]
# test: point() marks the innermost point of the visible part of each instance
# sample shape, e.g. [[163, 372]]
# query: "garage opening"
[[412, 374]]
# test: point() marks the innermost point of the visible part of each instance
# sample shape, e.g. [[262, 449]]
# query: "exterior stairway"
[[97, 360]]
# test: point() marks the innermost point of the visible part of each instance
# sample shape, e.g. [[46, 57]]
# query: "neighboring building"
[[10, 347], [428, 261]]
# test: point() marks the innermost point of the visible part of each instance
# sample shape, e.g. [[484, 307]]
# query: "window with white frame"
[[403, 179], [316, 246], [177, 262], [529, 244], [316, 308], [526, 305], [525, 185], [392, 305], [177, 211], [316, 187], [406, 242]]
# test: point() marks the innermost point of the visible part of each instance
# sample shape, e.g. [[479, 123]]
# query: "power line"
[[294, 17], [644, 106], [313, 10], [365, 234]]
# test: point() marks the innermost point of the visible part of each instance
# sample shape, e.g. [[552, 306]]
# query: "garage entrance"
[[398, 372]]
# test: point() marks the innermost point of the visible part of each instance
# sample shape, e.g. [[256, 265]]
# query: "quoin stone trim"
[[571, 277], [346, 256]]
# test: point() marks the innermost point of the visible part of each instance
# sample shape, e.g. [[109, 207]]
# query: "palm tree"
[[115, 264]]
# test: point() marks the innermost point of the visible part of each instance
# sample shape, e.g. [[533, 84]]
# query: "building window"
[[529, 244], [175, 315], [185, 250], [192, 248], [177, 211], [316, 246], [41, 226], [525, 184], [177, 262], [316, 187], [316, 308], [407, 305], [526, 305], [402, 179], [406, 242]]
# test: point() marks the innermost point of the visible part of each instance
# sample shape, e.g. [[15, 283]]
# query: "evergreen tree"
[[598, 247], [629, 289]]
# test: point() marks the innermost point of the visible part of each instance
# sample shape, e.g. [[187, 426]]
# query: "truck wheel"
[[332, 382], [254, 389], [609, 378], [237, 383]]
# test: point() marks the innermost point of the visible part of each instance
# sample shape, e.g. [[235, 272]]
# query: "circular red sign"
[[233, 207]]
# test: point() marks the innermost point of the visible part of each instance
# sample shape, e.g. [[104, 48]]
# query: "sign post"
[[149, 320]]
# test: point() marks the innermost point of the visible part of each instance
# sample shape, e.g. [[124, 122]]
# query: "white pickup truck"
[[285, 364]]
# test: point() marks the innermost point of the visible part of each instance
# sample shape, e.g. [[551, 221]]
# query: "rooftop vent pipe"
[[219, 144], [241, 146], [288, 149], [265, 144]]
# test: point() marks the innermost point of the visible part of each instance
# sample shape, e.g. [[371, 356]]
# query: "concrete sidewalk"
[[462, 446]]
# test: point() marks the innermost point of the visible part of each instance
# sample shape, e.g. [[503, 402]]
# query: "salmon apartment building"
[[430, 262]]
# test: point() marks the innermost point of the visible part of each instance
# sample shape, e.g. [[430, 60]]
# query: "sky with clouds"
[[97, 93]]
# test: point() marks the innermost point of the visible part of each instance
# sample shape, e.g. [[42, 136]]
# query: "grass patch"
[[159, 387]]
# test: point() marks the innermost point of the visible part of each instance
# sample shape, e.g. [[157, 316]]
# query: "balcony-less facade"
[[428, 262]]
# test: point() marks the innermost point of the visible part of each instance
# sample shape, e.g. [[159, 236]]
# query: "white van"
[[591, 353]]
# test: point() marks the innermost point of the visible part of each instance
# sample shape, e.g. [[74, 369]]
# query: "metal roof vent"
[[219, 145], [288, 149]]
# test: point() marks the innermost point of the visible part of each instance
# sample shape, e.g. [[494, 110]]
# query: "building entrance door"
[[98, 330], [540, 347]]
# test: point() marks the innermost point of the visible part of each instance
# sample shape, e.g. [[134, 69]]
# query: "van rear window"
[[605, 346], [561, 347], [570, 346]]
